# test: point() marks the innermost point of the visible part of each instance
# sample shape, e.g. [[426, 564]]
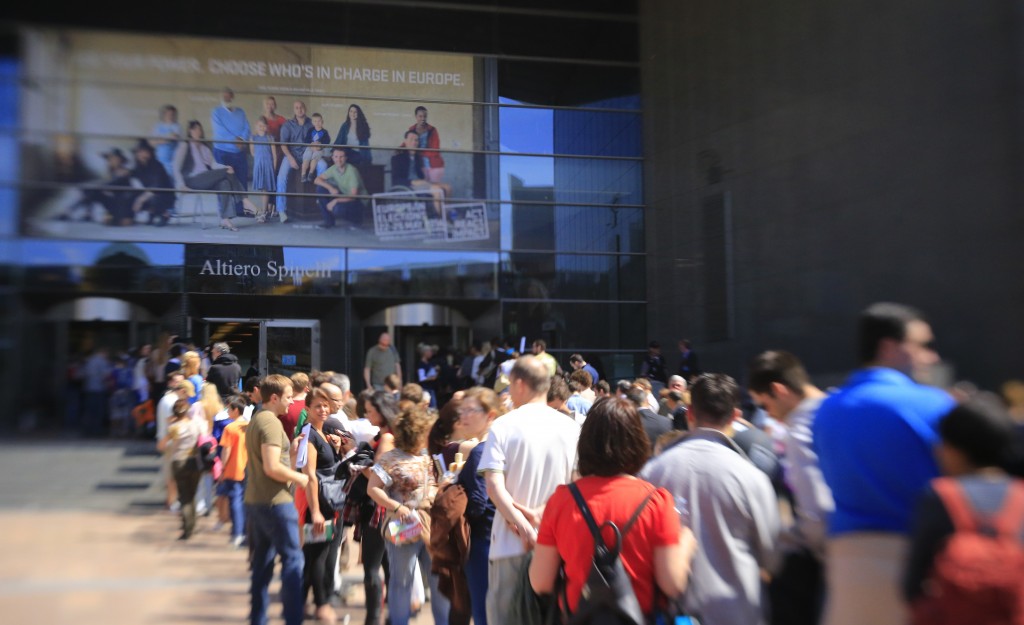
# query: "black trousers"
[[373, 557]]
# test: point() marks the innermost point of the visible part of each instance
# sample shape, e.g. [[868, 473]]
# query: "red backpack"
[[978, 575]]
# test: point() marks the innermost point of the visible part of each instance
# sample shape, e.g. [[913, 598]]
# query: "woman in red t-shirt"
[[656, 551]]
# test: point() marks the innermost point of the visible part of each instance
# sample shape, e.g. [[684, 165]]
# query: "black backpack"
[[608, 597]]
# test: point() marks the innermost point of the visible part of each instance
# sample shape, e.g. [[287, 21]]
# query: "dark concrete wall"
[[869, 150]]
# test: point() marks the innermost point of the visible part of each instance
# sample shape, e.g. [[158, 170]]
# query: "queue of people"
[[261, 159], [832, 510]]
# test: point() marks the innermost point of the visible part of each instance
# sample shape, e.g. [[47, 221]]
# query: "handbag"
[[332, 489]]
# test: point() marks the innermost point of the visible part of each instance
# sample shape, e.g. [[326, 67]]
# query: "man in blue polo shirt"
[[874, 440]]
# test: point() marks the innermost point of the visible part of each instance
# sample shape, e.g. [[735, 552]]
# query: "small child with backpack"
[[966, 559]]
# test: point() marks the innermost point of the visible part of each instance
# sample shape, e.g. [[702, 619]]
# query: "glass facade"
[[540, 233]]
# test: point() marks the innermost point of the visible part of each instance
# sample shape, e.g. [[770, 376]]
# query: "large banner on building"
[[161, 138]]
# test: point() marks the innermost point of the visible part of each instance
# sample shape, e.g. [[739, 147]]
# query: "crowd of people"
[[774, 501], [259, 158]]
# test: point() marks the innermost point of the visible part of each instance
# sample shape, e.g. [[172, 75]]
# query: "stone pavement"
[[85, 541]]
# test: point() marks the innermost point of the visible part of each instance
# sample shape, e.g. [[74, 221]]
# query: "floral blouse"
[[407, 478]]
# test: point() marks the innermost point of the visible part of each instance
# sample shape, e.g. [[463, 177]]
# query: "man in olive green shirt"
[[381, 361], [270, 508]]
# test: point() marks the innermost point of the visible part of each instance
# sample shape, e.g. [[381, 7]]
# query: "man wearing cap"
[[115, 192], [230, 132], [151, 175]]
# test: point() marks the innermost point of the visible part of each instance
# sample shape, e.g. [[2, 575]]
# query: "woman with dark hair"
[[321, 456], [195, 168], [355, 131], [655, 550], [402, 482], [976, 442], [381, 410]]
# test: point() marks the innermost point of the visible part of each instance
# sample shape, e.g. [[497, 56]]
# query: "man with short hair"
[[577, 363], [540, 347], [653, 366], [293, 136], [527, 454], [342, 184], [270, 508], [654, 424], [381, 361], [689, 367], [779, 383], [224, 371], [729, 504], [675, 383], [875, 439], [290, 420]]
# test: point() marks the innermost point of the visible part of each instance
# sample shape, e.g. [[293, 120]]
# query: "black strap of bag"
[[614, 589], [595, 530]]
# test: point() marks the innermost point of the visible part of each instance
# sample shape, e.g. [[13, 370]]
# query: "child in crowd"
[[264, 166], [317, 138], [231, 487], [165, 137]]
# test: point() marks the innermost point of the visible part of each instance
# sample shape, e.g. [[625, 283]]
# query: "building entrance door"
[[282, 346]]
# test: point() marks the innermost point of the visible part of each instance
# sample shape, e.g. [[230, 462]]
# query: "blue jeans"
[[204, 495], [275, 530], [352, 212], [235, 493], [283, 171], [403, 561], [476, 576]]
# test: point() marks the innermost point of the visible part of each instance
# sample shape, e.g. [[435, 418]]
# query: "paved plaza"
[[85, 541]]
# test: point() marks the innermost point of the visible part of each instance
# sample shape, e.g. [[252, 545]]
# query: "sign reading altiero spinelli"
[[233, 269]]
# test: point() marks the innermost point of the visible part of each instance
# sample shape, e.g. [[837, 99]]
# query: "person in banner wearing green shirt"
[[343, 186]]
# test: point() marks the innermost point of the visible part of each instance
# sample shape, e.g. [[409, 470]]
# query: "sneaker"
[[218, 526], [284, 217], [174, 507], [238, 542], [201, 510]]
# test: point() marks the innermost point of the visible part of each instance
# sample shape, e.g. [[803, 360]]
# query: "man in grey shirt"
[[727, 501], [779, 383], [381, 361]]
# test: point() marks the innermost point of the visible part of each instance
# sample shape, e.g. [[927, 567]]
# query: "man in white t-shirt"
[[527, 454]]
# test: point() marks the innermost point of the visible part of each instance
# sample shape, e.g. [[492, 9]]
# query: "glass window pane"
[[573, 228], [566, 84], [568, 326], [95, 266], [403, 273], [573, 276], [571, 179]]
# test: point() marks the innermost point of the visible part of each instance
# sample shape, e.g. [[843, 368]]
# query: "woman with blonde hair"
[[479, 407], [402, 482], [207, 405], [190, 362]]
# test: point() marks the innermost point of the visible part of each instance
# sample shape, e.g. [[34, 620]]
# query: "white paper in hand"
[[303, 450]]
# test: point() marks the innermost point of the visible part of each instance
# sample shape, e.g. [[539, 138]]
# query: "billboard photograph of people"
[[179, 139]]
